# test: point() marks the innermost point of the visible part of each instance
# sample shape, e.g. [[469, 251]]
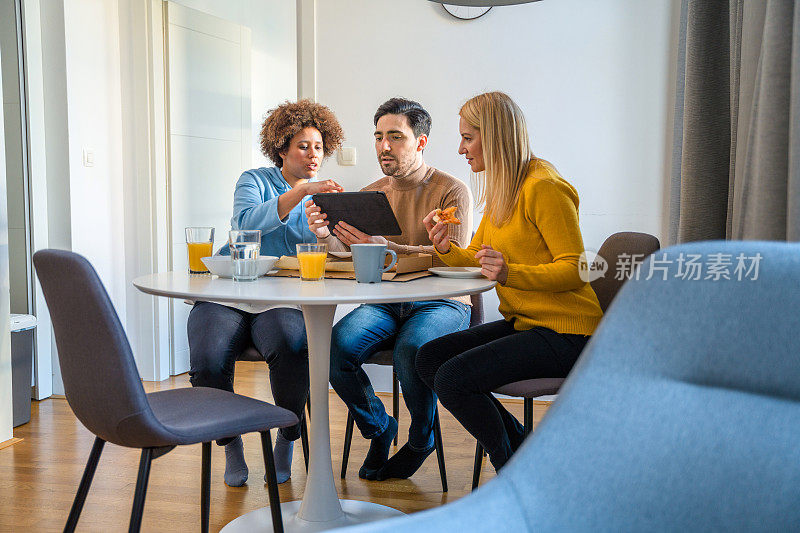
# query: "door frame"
[[148, 236], [38, 233], [145, 164], [179, 19]]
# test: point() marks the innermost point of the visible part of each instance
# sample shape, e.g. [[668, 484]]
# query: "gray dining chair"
[[385, 358], [104, 390], [682, 414], [620, 251]]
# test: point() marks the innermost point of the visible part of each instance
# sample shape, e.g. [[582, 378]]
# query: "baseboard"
[[9, 442]]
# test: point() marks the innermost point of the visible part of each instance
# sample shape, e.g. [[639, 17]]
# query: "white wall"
[[593, 79], [92, 61]]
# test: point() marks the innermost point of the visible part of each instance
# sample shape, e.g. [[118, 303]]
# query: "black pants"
[[218, 334], [464, 367]]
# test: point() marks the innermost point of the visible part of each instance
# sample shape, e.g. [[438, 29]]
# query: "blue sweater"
[[255, 206]]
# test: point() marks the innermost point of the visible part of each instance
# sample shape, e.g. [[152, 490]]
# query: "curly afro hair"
[[285, 121]]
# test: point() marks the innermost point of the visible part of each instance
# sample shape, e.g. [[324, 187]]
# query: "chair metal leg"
[[395, 402], [83, 488], [348, 438], [528, 416], [476, 470], [304, 440], [141, 490], [272, 483], [205, 488], [437, 438]]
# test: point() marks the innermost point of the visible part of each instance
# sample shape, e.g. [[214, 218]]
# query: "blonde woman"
[[530, 242]]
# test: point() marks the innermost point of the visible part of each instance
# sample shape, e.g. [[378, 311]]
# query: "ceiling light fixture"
[[482, 3]]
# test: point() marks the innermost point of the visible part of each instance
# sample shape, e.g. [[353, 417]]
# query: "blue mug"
[[368, 260]]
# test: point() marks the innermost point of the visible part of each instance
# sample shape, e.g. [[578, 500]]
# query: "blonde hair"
[[506, 152]]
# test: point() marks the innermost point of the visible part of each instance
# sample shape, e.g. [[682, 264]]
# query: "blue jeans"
[[372, 328]]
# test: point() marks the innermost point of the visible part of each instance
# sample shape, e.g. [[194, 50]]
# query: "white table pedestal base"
[[355, 512]]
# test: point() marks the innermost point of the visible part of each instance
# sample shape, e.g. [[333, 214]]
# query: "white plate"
[[341, 255], [222, 266], [457, 272]]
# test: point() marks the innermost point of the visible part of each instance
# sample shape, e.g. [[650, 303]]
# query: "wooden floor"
[[39, 475]]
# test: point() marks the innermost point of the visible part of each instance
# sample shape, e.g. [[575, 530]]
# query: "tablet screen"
[[367, 211]]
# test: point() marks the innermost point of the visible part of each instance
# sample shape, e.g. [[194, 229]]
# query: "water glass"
[[311, 257], [199, 244], [245, 246]]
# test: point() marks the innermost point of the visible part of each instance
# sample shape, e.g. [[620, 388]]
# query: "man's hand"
[[316, 220], [350, 235], [437, 233], [493, 265], [315, 187]]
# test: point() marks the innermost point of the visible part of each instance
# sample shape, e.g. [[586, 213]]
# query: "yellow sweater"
[[541, 245]]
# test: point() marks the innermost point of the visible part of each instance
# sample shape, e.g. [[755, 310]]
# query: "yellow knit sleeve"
[[465, 256], [555, 214]]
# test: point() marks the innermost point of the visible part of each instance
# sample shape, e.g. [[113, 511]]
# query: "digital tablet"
[[368, 211]]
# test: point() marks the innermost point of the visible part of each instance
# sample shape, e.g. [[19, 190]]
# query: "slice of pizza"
[[446, 216]]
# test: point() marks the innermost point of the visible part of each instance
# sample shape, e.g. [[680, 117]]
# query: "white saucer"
[[456, 272], [341, 255]]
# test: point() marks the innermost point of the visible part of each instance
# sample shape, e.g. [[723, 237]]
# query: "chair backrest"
[[101, 382], [682, 413], [616, 249], [476, 316]]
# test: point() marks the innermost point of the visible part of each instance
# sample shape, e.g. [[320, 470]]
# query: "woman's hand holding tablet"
[[316, 220]]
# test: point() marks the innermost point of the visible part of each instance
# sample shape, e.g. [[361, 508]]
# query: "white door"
[[208, 86]]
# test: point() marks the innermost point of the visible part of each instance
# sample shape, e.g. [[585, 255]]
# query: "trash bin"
[[23, 328]]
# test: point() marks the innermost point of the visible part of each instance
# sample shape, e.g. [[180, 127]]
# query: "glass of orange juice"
[[312, 261], [199, 243]]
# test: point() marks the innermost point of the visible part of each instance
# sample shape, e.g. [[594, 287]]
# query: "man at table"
[[413, 189]]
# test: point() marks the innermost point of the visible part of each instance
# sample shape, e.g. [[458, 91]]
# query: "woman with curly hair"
[[296, 137]]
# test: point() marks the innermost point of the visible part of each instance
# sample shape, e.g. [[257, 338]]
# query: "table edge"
[[312, 300]]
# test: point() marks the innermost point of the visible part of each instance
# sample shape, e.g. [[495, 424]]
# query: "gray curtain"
[[736, 145]]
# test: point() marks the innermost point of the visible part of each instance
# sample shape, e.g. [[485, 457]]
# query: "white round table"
[[320, 508]]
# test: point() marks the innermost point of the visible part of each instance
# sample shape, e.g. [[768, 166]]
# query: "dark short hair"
[[418, 118]]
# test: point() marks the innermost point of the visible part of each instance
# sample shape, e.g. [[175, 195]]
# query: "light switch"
[[88, 157], [346, 156]]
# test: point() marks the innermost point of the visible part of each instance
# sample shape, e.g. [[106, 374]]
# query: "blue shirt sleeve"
[[255, 207]]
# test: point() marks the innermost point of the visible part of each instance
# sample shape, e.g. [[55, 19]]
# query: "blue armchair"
[[682, 414]]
